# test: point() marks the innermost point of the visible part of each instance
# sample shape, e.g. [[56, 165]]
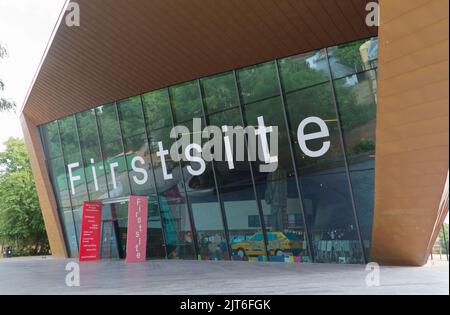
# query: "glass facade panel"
[[304, 70], [70, 232], [155, 234], [323, 181], [357, 106], [73, 160], [92, 155], [258, 82], [157, 109], [350, 58], [172, 200], [238, 197], [59, 181], [316, 206], [131, 117], [51, 134], [186, 101], [219, 92], [113, 152]]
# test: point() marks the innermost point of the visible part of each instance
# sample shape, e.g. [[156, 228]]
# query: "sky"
[[25, 28]]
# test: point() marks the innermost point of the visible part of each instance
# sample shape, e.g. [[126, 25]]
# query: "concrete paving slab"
[[47, 276]]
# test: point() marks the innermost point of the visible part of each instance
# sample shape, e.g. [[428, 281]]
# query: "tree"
[[21, 223], [443, 238], [5, 105]]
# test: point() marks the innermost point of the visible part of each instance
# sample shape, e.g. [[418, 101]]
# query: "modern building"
[[361, 112]]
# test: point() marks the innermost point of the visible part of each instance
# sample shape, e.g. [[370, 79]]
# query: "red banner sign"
[[137, 229], [90, 231]]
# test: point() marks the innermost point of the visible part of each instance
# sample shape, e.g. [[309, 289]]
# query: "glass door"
[[114, 230]]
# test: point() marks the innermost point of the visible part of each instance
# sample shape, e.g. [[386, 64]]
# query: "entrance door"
[[114, 230]]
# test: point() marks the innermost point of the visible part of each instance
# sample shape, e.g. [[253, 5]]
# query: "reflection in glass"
[[186, 101], [304, 70], [70, 232], [258, 82], [59, 181], [323, 181], [112, 136], [130, 114], [350, 58], [219, 92], [51, 135], [357, 107], [92, 157], [72, 155], [156, 109]]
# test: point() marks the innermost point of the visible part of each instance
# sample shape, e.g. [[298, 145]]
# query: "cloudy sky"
[[25, 28]]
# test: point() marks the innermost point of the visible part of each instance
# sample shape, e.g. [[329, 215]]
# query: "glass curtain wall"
[[309, 209]]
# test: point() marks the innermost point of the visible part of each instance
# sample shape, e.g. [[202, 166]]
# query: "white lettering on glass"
[[72, 178], [113, 166], [235, 140], [162, 155], [195, 158], [323, 133], [139, 170]]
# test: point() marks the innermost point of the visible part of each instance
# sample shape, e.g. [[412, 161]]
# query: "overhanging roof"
[[124, 48]]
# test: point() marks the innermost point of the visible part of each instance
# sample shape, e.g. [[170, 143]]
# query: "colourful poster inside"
[[90, 231], [137, 229]]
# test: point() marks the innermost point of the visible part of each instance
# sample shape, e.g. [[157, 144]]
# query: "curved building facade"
[[99, 124]]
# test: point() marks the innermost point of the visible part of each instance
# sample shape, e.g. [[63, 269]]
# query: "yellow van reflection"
[[278, 244]]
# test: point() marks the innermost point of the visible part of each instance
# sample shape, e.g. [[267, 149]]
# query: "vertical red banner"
[[137, 229], [90, 231]]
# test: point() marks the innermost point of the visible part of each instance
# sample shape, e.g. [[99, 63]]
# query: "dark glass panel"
[[177, 226], [118, 183], [172, 199], [349, 58], [258, 82], [113, 152], [108, 123], [286, 233], [186, 101], [272, 112], [236, 190], [92, 157], [70, 232], [357, 107], [304, 70], [51, 135], [59, 180], [131, 119], [207, 215], [219, 92], [323, 180], [155, 237], [77, 215], [157, 109], [72, 155], [137, 147]]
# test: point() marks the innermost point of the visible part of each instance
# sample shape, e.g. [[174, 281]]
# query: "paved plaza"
[[48, 275]]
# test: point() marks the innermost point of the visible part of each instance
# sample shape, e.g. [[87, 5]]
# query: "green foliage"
[[21, 223], [5, 105], [365, 145], [349, 54], [443, 238]]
